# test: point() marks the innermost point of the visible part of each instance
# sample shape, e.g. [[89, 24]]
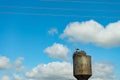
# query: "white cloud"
[[4, 62], [61, 71], [64, 71], [5, 77], [17, 77], [57, 51], [103, 71], [93, 32], [53, 31], [18, 64], [51, 71]]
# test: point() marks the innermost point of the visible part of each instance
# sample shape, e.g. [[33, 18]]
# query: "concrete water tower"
[[81, 65]]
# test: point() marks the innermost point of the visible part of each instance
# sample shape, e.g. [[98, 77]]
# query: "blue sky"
[[29, 30]]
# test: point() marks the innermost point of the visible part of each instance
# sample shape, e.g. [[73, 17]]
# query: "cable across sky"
[[63, 9], [87, 2], [60, 15]]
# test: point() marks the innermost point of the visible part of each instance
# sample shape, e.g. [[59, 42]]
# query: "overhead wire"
[[76, 1], [59, 15], [63, 15], [68, 9]]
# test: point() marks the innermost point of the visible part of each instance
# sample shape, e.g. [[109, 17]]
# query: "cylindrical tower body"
[[81, 65]]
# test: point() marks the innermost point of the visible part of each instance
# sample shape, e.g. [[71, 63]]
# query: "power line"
[[68, 9], [87, 2], [59, 15]]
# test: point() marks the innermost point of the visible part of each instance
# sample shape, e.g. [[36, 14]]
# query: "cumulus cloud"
[[57, 51], [53, 31], [11, 67], [5, 77], [93, 32], [18, 64], [51, 71], [17, 77], [103, 71], [61, 71], [64, 71], [4, 62]]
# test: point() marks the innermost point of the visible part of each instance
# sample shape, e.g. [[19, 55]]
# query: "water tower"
[[81, 65]]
